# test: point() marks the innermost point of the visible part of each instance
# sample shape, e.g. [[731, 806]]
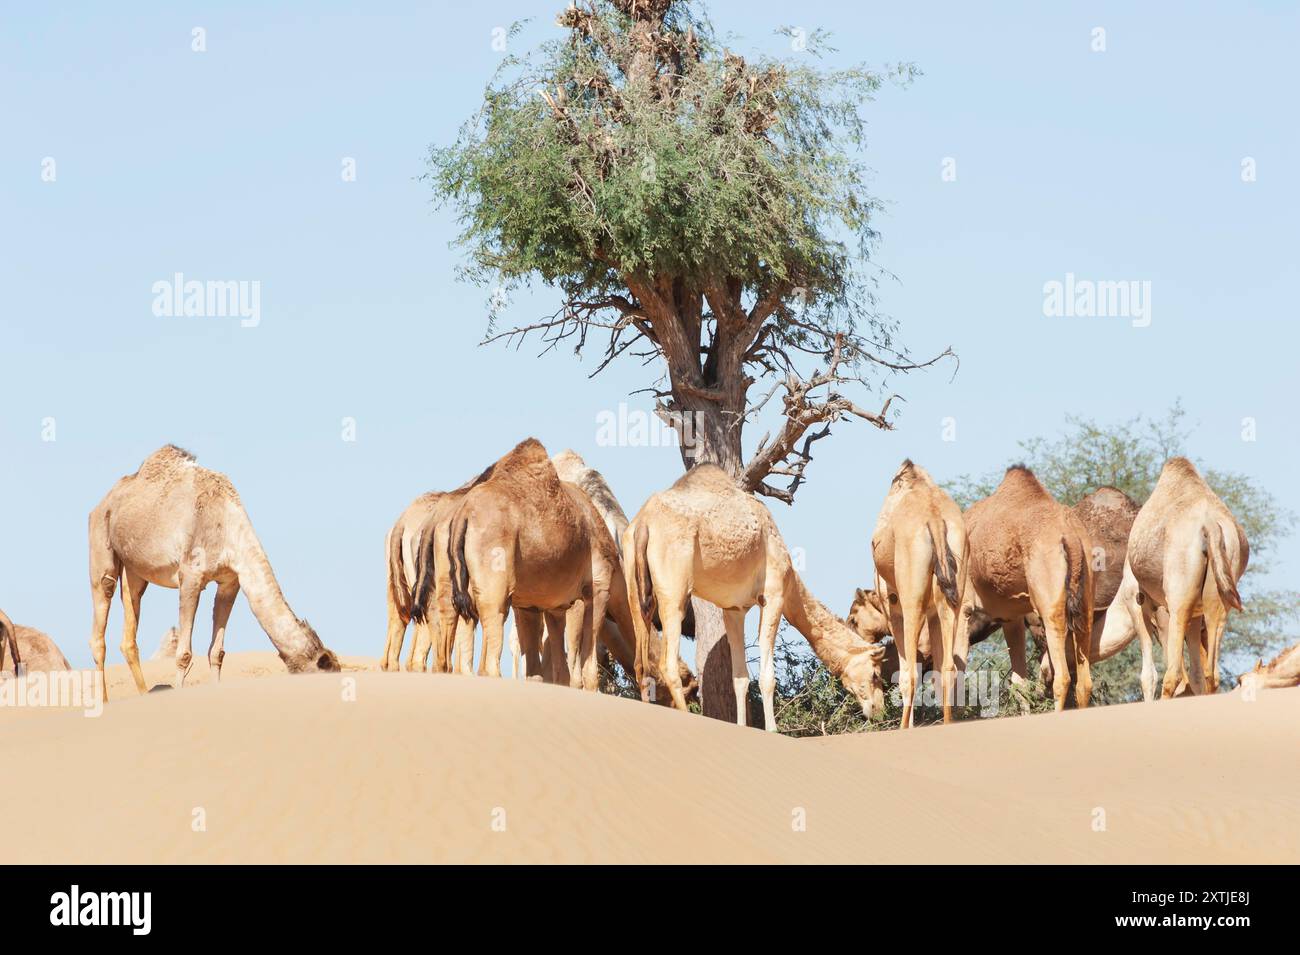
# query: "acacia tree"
[[694, 209]]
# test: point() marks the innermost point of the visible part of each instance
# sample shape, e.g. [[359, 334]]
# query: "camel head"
[[868, 617], [310, 655], [864, 677]]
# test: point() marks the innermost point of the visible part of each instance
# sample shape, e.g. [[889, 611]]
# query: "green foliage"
[[1129, 456], [591, 161]]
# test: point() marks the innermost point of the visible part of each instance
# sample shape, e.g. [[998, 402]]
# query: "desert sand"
[[392, 767]]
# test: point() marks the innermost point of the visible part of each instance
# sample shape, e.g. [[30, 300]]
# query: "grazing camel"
[[9, 639], [520, 538], [1107, 515], [1283, 670], [1029, 553], [178, 525], [40, 654], [401, 546], [919, 549], [1186, 553], [617, 635], [705, 536]]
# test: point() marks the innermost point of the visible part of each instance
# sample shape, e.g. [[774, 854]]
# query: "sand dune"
[[422, 768]]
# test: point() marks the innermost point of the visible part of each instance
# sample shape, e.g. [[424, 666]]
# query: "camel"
[[9, 639], [919, 549], [182, 526], [1028, 553], [1186, 553], [1283, 670], [401, 546], [616, 635], [28, 650], [705, 536], [1107, 515], [520, 538]]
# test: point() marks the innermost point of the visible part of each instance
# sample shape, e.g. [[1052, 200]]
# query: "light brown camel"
[[178, 525], [1186, 553], [431, 597], [9, 640], [520, 538], [919, 549], [704, 536], [616, 635], [1107, 515], [401, 546], [1028, 553], [1282, 671], [34, 650]]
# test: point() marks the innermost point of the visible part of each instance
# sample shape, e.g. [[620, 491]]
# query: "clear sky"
[[226, 164]]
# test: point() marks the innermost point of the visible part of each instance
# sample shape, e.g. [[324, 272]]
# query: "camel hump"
[[1109, 498], [569, 464], [528, 459], [706, 475], [1181, 465], [164, 461], [1021, 479]]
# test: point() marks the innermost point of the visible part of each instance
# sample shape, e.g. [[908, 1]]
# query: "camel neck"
[[262, 590], [829, 637]]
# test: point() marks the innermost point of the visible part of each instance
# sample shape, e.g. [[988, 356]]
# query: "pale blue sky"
[[226, 165]]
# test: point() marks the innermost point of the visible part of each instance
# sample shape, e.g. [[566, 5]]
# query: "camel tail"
[[396, 574], [1076, 598], [460, 596], [645, 595], [9, 637], [1216, 551], [944, 563], [426, 575]]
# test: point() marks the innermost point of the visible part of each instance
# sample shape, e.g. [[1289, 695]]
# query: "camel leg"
[[769, 620], [1050, 607], [555, 662], [396, 635], [1194, 679], [101, 592], [734, 622], [1082, 666], [1014, 631], [592, 622], [573, 628], [528, 630], [464, 646], [133, 587], [421, 644], [190, 591], [1143, 626], [671, 612], [1213, 637], [947, 629], [221, 607], [448, 627], [493, 621], [1179, 618]]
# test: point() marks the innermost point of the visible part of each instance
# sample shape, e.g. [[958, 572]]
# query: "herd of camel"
[[546, 538]]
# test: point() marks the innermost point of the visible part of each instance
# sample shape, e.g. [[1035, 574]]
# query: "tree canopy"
[[701, 207]]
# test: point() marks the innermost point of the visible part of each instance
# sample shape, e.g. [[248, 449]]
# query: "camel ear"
[[860, 595]]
